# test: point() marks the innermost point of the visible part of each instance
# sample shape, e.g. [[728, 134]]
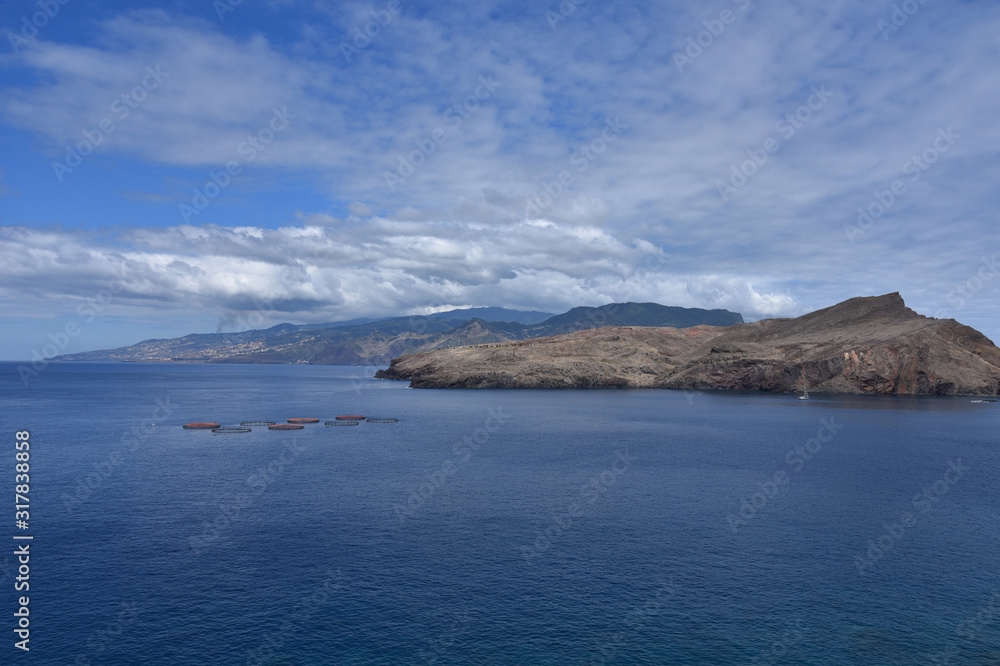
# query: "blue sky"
[[168, 168]]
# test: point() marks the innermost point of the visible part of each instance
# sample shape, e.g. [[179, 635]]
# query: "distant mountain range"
[[863, 345], [377, 342]]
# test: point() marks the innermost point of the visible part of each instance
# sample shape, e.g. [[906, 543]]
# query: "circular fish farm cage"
[[285, 426], [341, 423], [303, 420], [200, 426], [350, 418], [231, 430], [383, 420], [256, 423]]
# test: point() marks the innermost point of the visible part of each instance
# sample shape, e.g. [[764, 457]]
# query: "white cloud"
[[315, 273], [462, 229]]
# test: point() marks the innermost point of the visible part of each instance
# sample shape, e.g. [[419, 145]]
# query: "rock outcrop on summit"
[[873, 345]]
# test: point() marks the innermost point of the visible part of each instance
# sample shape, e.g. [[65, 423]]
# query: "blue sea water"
[[497, 527]]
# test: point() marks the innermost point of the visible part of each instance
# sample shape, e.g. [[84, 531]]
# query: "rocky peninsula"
[[867, 345]]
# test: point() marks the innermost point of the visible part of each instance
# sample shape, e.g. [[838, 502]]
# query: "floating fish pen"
[[256, 423], [341, 423], [200, 426], [303, 420], [231, 430], [285, 426], [383, 420], [350, 418]]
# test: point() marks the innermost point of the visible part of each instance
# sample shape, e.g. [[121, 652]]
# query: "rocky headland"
[[868, 345]]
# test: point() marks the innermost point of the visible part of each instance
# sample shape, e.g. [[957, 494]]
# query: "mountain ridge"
[[377, 342]]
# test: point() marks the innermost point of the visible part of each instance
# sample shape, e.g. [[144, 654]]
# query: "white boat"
[[805, 394]]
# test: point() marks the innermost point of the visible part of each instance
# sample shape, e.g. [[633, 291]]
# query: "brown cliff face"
[[864, 345]]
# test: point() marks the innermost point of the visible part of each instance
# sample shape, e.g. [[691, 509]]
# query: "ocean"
[[495, 526]]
